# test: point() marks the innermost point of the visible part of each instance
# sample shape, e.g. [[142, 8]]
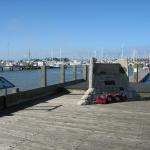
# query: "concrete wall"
[[124, 64], [141, 87], [17, 98], [20, 97], [2, 104]]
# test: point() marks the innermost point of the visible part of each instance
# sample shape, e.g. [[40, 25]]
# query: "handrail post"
[[137, 76], [43, 76], [15, 90], [5, 92], [62, 74], [74, 72], [84, 72]]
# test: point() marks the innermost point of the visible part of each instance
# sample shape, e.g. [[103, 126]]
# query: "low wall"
[[17, 98], [2, 103], [141, 87]]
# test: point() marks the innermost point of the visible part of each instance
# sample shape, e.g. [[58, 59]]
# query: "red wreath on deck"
[[110, 98]]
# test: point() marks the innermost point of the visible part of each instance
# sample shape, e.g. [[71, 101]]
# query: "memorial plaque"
[[5, 84], [109, 78]]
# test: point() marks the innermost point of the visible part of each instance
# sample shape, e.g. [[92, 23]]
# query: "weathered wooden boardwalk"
[[60, 124]]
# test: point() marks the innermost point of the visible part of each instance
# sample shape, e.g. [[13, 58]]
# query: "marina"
[[74, 75], [30, 118], [29, 78], [49, 118]]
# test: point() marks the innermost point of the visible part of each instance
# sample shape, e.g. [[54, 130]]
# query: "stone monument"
[[106, 78]]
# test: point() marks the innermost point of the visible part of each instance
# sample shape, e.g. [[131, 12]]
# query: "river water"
[[30, 79]]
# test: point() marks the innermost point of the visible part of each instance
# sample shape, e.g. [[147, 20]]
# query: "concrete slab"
[[60, 124]]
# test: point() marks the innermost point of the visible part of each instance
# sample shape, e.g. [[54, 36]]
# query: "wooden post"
[[43, 76], [74, 71], [84, 72], [1, 68], [62, 74]]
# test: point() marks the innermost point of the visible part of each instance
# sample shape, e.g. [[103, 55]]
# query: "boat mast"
[[149, 58], [133, 55], [122, 52], [60, 55], [95, 53], [52, 54], [102, 55], [29, 54], [8, 52]]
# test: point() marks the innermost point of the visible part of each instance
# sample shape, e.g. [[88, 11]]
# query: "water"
[[147, 79], [30, 79]]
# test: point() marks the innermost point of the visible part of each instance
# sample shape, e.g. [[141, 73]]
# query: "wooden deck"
[[79, 86], [58, 123]]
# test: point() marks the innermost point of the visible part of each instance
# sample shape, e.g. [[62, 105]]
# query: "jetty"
[[58, 122], [14, 68], [48, 118]]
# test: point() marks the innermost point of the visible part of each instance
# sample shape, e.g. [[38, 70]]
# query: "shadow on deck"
[[9, 111]]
